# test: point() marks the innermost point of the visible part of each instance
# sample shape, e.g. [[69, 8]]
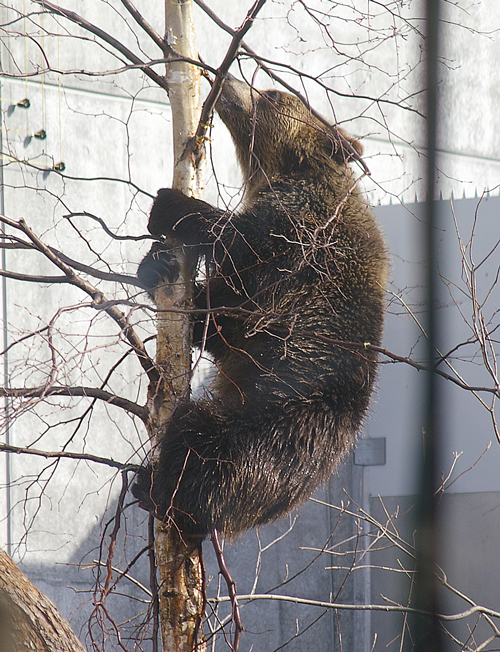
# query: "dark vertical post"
[[427, 629]]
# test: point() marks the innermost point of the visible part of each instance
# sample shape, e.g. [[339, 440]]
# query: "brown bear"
[[295, 276]]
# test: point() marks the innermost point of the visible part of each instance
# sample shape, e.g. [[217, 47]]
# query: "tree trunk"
[[29, 622], [179, 560]]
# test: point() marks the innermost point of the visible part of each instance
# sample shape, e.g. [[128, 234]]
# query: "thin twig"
[[143, 23], [7, 448], [231, 587], [216, 89], [100, 33], [91, 392], [475, 609], [97, 296]]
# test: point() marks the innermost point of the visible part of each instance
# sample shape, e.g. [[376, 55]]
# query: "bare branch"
[[346, 145], [143, 23], [7, 448], [476, 609], [87, 269], [97, 297], [107, 73], [100, 33], [231, 587], [33, 279], [90, 392], [216, 89], [107, 230]]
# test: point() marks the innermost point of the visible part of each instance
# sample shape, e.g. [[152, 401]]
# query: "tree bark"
[[181, 591], [29, 622]]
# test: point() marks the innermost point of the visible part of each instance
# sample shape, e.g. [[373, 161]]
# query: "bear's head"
[[276, 135]]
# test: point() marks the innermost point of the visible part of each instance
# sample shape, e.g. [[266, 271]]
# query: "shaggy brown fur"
[[301, 268]]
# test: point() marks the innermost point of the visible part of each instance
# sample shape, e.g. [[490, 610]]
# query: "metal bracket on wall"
[[370, 452]]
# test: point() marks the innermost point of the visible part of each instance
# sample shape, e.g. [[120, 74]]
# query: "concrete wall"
[[112, 130], [469, 455], [468, 553]]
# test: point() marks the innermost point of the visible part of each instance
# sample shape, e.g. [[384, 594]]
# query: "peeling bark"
[[181, 591], [29, 622]]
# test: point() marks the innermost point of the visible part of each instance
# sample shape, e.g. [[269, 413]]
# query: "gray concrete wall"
[[468, 545], [112, 130], [468, 452]]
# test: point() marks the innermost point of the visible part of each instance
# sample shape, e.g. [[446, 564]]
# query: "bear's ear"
[[354, 142]]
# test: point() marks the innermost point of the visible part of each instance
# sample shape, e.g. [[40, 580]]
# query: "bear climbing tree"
[[293, 279]]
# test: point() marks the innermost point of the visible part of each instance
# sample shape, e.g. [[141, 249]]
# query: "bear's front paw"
[[141, 489], [168, 208], [159, 266]]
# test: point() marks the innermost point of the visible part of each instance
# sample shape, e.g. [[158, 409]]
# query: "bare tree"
[[180, 594], [86, 374]]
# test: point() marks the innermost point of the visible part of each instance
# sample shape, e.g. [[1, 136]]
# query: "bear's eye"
[[273, 97]]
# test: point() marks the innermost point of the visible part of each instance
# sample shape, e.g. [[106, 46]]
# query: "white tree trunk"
[[179, 562]]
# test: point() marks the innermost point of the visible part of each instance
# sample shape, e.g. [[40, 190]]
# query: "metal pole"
[[427, 629]]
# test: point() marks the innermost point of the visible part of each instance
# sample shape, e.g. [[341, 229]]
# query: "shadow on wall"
[[289, 557]]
